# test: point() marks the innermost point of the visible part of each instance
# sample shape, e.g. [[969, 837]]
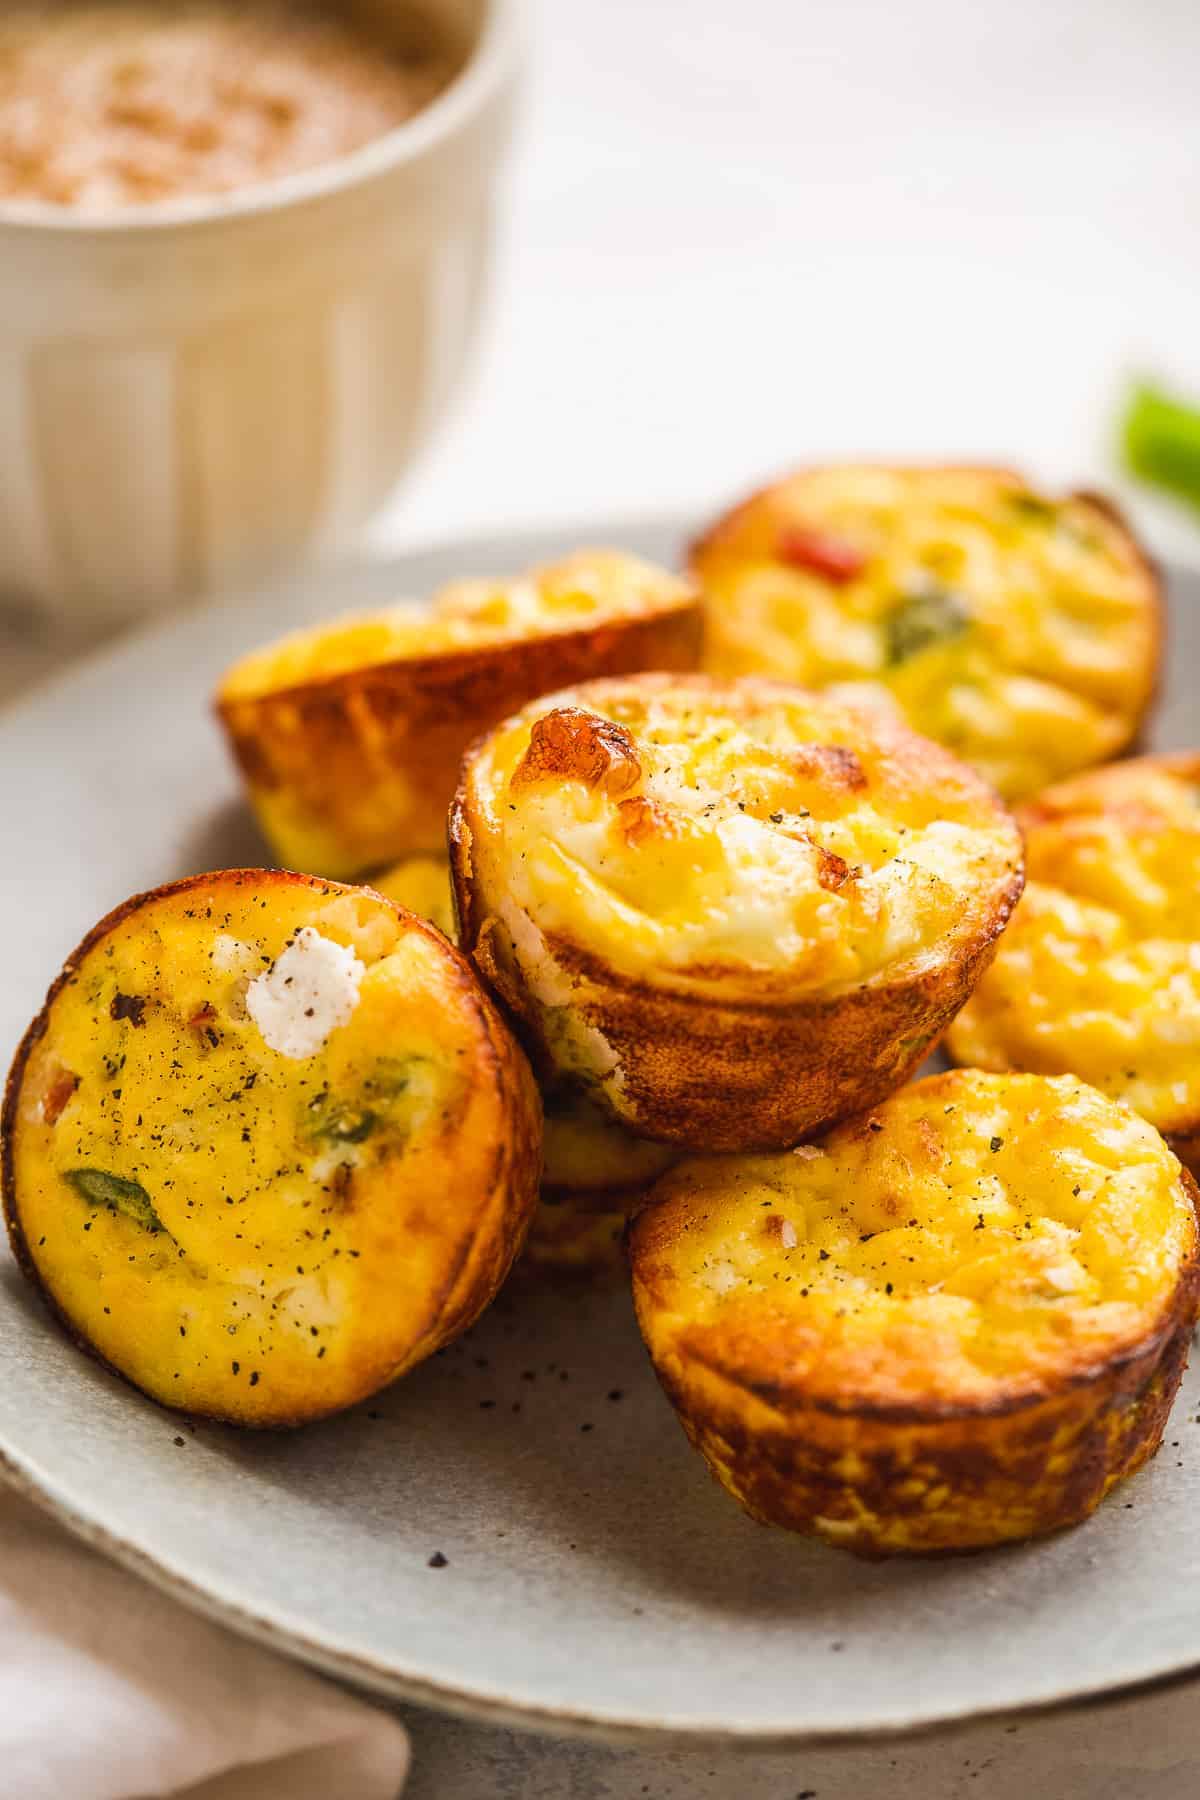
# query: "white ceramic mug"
[[194, 392]]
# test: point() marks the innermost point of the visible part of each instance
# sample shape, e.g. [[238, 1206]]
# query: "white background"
[[746, 232]]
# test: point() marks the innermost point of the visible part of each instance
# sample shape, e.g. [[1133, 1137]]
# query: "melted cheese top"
[[586, 589], [975, 1236], [698, 834], [1099, 972], [1017, 630]]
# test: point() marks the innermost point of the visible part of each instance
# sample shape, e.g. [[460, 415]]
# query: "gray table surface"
[[1140, 1749]]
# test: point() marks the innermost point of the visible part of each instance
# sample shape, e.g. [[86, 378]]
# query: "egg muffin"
[[955, 1320], [267, 1145], [731, 911], [1099, 975], [422, 885], [596, 1173], [568, 1243], [349, 735], [1019, 629]]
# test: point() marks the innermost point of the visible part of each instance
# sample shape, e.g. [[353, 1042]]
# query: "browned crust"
[[579, 1232], [732, 1075], [1156, 593], [485, 1261], [1186, 1145], [336, 745], [501, 1233], [1060, 802], [1009, 1476], [729, 524], [879, 1479], [741, 1077], [568, 1243], [618, 1197]]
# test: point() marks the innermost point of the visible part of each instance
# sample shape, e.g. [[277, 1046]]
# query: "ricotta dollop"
[[310, 989]]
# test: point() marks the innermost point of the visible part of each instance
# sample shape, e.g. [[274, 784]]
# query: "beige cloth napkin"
[[110, 1690]]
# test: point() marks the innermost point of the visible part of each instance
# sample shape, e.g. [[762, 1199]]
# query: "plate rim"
[[364, 1675], [21, 1473]]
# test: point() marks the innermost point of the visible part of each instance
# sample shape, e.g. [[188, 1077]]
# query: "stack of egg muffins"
[[674, 884]]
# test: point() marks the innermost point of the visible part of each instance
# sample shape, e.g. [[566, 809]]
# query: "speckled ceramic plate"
[[596, 1579]]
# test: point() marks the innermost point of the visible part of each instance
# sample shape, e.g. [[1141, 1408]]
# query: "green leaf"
[[385, 1100], [1160, 436], [1033, 508], [393, 1075], [99, 1188], [925, 617], [346, 1127]]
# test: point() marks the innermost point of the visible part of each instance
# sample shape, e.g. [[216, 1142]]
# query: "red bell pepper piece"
[[821, 553]]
